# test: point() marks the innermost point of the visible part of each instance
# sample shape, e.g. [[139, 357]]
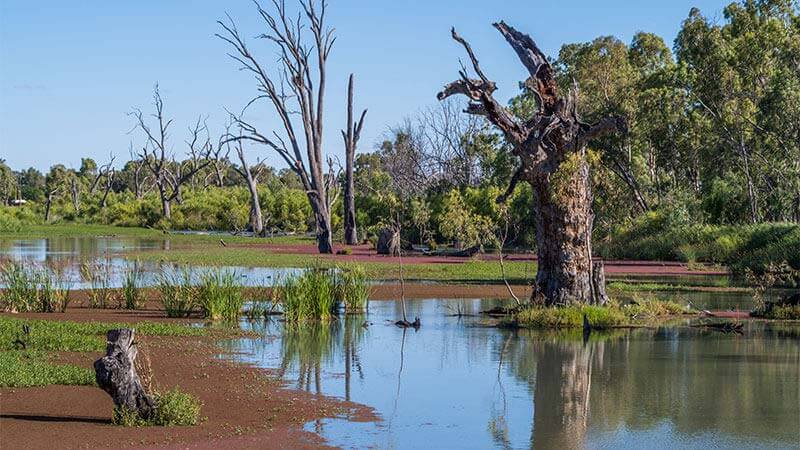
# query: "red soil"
[[245, 407], [365, 253]]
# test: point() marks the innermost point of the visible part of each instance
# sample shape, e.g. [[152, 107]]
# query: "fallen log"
[[116, 374]]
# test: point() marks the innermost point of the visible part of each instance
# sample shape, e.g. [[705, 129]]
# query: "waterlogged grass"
[[220, 296], [601, 317], [178, 296], [32, 289], [309, 296], [50, 335], [352, 288], [32, 368], [173, 408]]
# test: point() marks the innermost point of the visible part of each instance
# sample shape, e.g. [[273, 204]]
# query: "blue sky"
[[71, 71]]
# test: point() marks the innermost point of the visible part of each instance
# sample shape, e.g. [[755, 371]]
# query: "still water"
[[107, 259], [457, 383]]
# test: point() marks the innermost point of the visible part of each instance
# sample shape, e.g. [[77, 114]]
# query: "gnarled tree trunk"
[[551, 147], [116, 374]]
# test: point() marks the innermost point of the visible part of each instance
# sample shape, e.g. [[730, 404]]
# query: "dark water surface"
[[457, 383]]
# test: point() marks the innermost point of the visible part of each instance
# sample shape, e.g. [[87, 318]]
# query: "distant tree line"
[[713, 141]]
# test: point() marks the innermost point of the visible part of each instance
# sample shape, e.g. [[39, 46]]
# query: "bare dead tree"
[[551, 147], [140, 179], [75, 189], [168, 176], [107, 173], [250, 176], [350, 136], [301, 68]]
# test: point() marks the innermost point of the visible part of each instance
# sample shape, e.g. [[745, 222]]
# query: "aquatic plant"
[[177, 293], [352, 288], [32, 289], [220, 296], [611, 315], [131, 289], [310, 295], [98, 275]]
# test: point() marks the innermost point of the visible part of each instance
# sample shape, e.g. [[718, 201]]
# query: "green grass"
[[600, 317], [173, 408], [352, 288], [131, 289], [85, 230], [32, 289], [31, 368], [308, 296], [51, 335], [178, 295], [220, 296]]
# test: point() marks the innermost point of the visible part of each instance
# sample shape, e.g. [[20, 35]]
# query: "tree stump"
[[388, 242], [599, 283], [116, 374]]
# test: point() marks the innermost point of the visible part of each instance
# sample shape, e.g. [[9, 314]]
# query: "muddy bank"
[[244, 407]]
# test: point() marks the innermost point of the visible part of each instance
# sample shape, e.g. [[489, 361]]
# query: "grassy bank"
[[26, 357], [613, 315]]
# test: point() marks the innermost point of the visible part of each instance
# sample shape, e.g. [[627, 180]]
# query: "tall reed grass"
[[98, 275], [318, 293], [177, 293], [220, 296], [33, 289], [131, 288]]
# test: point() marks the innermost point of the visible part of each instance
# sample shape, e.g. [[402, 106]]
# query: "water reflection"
[[457, 383], [106, 256]]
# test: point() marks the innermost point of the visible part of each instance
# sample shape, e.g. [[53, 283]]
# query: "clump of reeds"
[[263, 302], [131, 288], [220, 296], [309, 296], [98, 275], [32, 289], [318, 293], [352, 288], [177, 293]]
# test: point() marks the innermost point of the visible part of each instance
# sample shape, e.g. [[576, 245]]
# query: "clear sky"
[[71, 71]]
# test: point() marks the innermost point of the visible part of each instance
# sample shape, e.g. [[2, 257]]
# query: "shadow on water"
[[459, 383]]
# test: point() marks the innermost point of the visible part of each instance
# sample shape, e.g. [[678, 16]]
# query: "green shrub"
[[173, 408], [177, 293], [220, 296]]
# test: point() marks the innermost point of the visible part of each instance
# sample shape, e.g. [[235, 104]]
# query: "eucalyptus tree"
[[303, 45], [551, 147]]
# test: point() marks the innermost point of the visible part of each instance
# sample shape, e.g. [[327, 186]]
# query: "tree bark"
[[322, 217], [552, 151], [116, 374], [350, 141]]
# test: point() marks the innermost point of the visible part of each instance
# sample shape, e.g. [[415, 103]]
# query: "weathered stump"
[[599, 283], [116, 374], [388, 242]]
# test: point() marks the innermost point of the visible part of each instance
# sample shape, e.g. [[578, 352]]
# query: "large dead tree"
[[551, 147], [350, 136], [301, 68], [168, 175]]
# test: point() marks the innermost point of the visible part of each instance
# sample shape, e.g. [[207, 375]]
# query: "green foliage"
[[173, 408], [784, 312], [31, 368], [15, 219], [178, 295], [220, 296]]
